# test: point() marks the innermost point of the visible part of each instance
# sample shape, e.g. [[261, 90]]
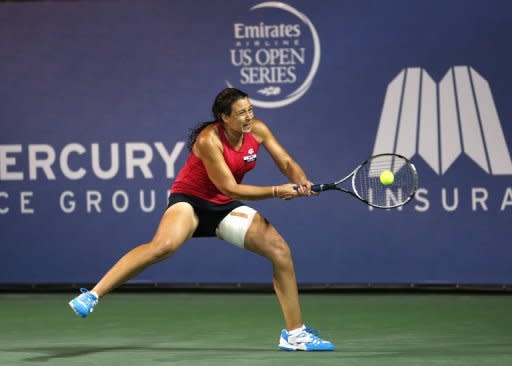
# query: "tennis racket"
[[382, 181]]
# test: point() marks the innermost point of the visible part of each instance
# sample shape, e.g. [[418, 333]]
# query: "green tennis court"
[[243, 329]]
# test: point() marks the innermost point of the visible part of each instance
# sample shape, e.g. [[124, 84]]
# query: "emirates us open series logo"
[[275, 54]]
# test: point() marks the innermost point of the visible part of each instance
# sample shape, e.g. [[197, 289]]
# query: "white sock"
[[95, 294], [296, 331]]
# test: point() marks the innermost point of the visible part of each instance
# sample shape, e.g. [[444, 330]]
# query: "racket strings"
[[368, 186]]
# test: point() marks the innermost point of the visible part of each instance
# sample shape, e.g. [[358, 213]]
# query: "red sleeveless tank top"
[[193, 179]]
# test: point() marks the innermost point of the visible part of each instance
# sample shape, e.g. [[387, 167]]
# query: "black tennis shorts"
[[210, 215]]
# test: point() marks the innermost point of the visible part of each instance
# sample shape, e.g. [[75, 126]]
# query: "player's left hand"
[[304, 188]]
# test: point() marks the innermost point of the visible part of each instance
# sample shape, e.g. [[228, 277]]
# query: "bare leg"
[[262, 238], [177, 225]]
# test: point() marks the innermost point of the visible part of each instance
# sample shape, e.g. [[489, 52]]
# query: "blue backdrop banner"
[[97, 99]]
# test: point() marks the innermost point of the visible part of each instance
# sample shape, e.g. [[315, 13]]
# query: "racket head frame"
[[354, 192], [403, 202]]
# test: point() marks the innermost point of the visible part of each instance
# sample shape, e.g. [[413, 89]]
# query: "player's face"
[[241, 116]]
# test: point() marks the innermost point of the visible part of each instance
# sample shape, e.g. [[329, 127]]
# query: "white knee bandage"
[[235, 225]]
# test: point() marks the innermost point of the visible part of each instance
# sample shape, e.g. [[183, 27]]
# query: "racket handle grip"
[[319, 187], [323, 187]]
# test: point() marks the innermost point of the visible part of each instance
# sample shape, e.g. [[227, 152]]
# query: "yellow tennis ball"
[[387, 177]]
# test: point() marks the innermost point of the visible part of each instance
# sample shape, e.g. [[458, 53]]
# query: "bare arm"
[[289, 167], [208, 149]]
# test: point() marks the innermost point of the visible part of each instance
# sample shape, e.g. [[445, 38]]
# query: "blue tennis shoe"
[[306, 339], [84, 303]]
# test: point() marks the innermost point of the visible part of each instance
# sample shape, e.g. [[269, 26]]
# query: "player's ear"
[[224, 117]]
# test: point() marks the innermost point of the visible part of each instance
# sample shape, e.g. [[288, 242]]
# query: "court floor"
[[242, 329]]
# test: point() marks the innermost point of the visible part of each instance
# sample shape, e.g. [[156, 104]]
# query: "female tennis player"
[[204, 201]]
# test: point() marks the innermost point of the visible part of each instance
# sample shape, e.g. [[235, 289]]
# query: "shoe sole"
[[284, 346], [304, 350], [287, 349]]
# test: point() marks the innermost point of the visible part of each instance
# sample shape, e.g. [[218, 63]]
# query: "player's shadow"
[[50, 353]]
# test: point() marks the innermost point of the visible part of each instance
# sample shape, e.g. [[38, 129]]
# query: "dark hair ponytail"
[[222, 105]]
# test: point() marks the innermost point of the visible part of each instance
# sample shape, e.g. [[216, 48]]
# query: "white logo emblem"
[[271, 59], [442, 121]]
